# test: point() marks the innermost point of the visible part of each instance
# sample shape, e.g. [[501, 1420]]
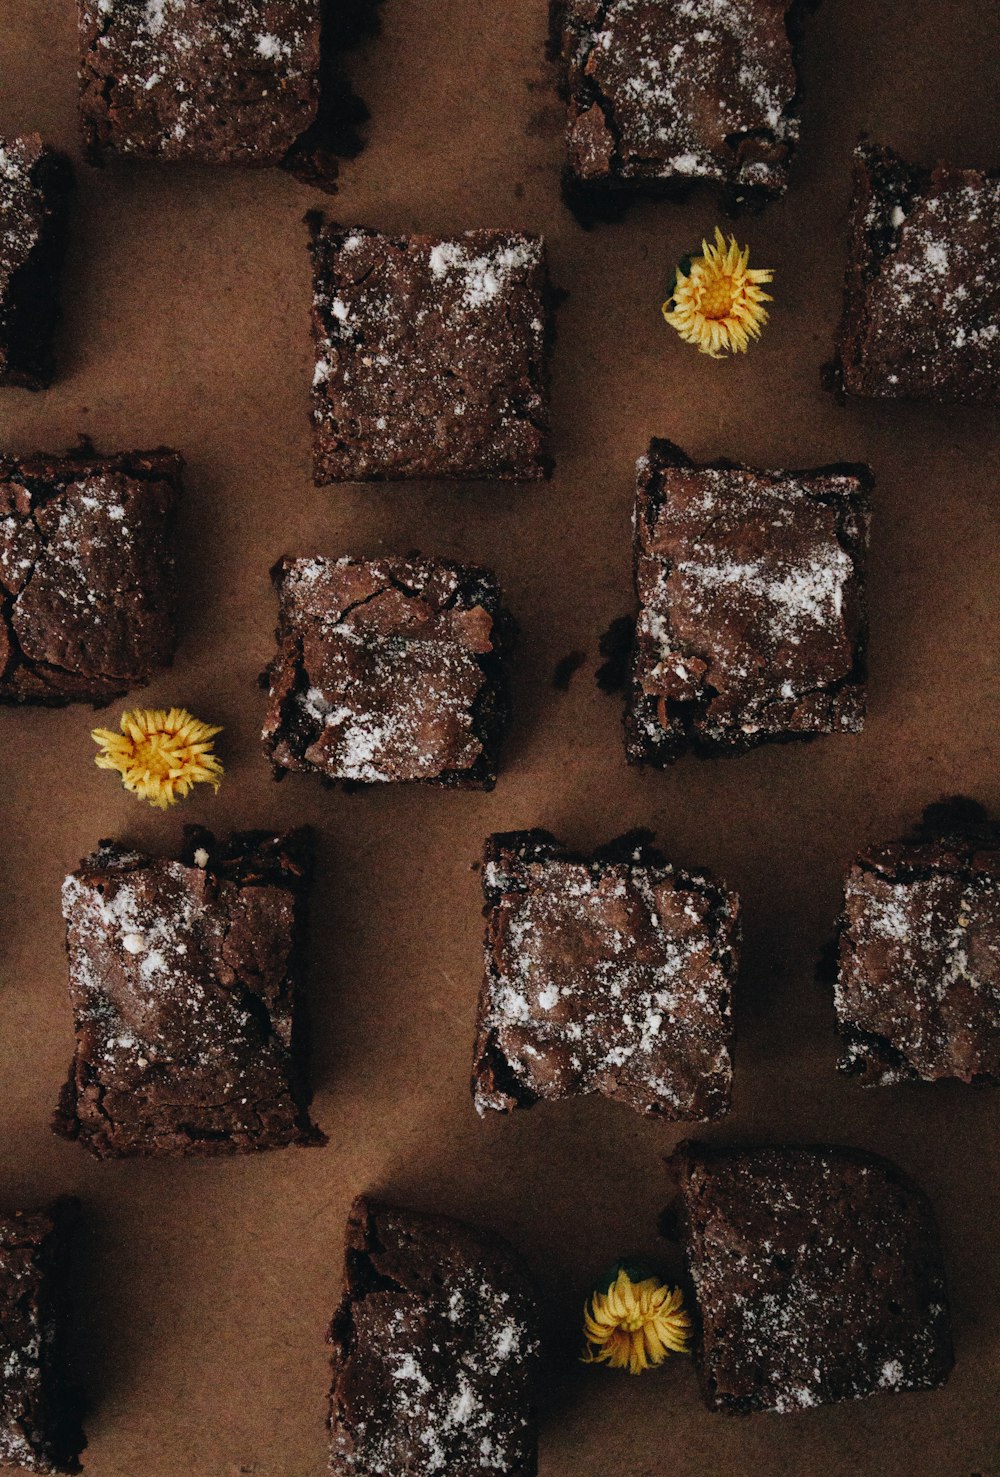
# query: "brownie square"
[[435, 1351], [431, 355], [921, 316], [918, 986], [40, 1413], [661, 95], [388, 670], [611, 975], [752, 617], [214, 81], [817, 1277], [185, 980], [87, 588], [34, 187]]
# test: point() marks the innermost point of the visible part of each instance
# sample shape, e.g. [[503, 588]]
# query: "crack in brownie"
[[185, 979], [921, 316], [917, 995], [435, 1348], [40, 1414], [752, 616], [388, 670], [431, 355], [817, 1277], [611, 975], [87, 587], [34, 189], [662, 95]]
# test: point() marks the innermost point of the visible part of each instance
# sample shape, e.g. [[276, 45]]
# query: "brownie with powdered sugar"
[[34, 188], [216, 81], [40, 1410], [388, 670], [921, 317], [435, 1351], [87, 584], [610, 974], [917, 993], [431, 355], [662, 95], [816, 1274], [185, 978], [752, 618]]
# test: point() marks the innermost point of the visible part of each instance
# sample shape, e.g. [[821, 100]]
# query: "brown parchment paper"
[[205, 1287]]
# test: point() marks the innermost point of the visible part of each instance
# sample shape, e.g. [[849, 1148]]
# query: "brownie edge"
[[816, 1275], [435, 1347], [40, 1410]]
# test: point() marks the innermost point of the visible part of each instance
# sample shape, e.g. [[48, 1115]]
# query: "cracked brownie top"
[[387, 670], [87, 591], [184, 979], [751, 604]]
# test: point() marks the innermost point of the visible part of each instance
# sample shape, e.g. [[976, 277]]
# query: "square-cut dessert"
[[752, 615], [40, 1412], [435, 1351], [611, 975], [431, 355], [34, 187], [661, 95], [86, 574], [185, 980], [921, 316], [388, 670], [817, 1277], [215, 81], [918, 985]]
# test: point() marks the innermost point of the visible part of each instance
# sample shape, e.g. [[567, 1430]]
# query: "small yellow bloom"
[[160, 756], [635, 1325], [717, 302]]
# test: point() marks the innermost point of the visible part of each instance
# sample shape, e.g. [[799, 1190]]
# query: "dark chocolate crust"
[[660, 97], [752, 621], [388, 670], [35, 183], [40, 1411], [817, 1276], [87, 588], [435, 1348], [431, 355], [210, 1061], [921, 317], [917, 995], [610, 974]]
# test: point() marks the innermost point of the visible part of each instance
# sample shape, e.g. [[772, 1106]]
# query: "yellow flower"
[[717, 301], [160, 756], [635, 1325]]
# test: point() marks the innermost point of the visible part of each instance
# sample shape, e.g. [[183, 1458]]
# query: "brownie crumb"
[[616, 648], [566, 668]]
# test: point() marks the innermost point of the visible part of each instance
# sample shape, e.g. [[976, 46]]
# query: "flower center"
[[156, 754], [718, 298]]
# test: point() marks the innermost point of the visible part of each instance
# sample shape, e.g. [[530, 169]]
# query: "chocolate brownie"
[[817, 1277], [431, 355], [87, 589], [34, 187], [921, 316], [752, 621], [185, 980], [220, 81], [611, 975], [388, 670], [662, 95], [40, 1413], [918, 988], [435, 1348]]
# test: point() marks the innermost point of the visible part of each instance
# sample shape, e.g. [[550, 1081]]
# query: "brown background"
[[206, 1286]]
